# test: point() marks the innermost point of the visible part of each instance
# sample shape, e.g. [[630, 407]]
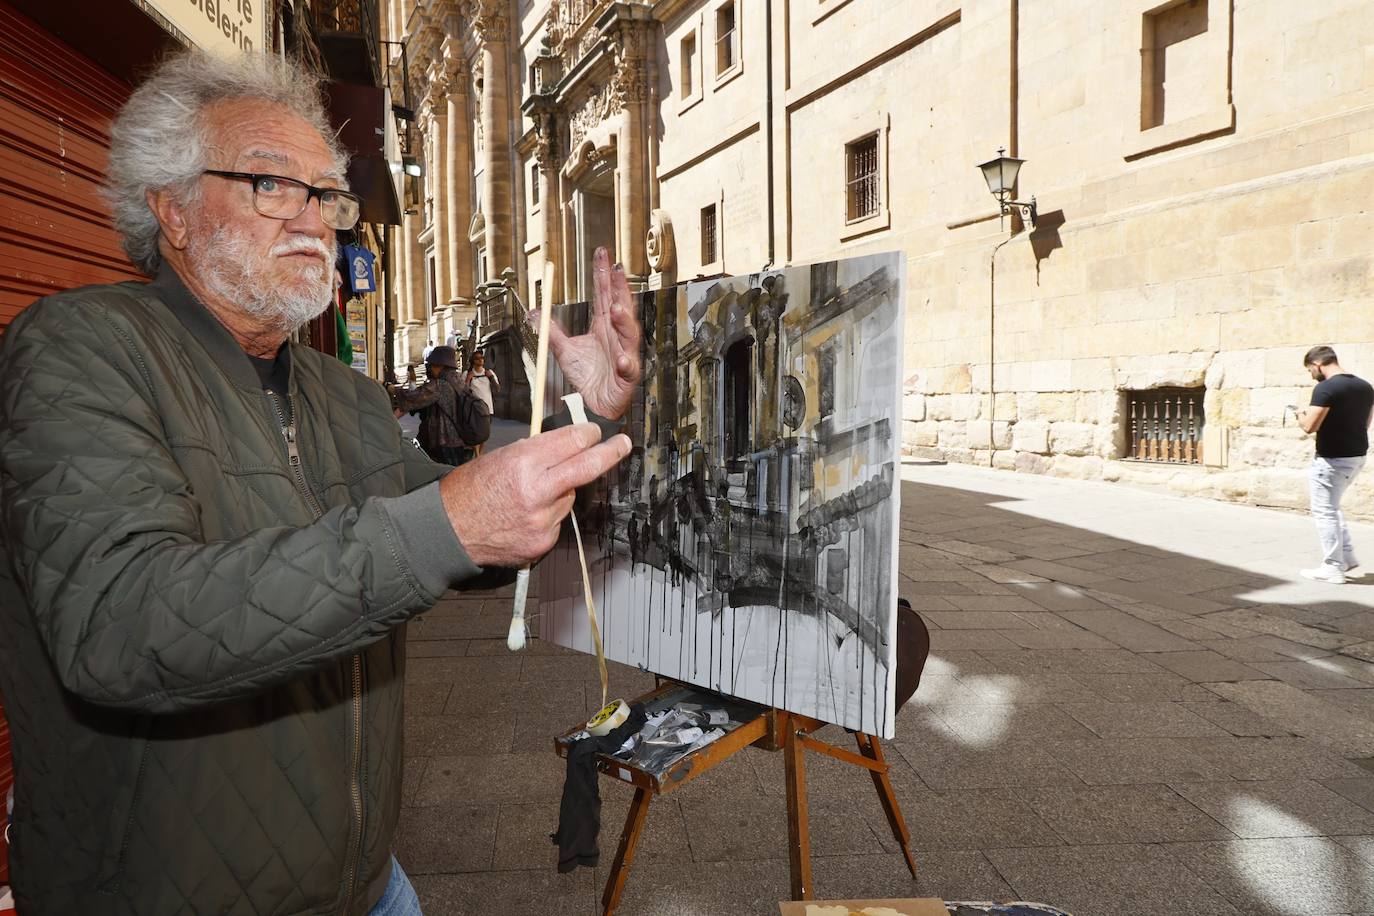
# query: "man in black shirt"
[[1341, 412]]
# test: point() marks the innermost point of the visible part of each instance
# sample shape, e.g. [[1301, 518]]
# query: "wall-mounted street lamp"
[[1000, 174]]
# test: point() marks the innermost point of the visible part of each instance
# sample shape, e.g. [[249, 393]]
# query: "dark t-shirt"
[[275, 374], [1345, 431]]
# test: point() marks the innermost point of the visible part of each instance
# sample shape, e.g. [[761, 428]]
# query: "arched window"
[[739, 379]]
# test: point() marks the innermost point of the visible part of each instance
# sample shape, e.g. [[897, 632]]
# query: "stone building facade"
[[1203, 172]]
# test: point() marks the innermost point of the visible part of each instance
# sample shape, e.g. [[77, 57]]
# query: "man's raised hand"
[[603, 364]]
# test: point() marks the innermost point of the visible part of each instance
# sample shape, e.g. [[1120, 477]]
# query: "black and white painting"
[[749, 543]]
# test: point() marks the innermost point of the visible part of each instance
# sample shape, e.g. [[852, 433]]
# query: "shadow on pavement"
[[1104, 725]]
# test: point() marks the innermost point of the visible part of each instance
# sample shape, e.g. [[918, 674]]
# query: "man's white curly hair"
[[160, 140]]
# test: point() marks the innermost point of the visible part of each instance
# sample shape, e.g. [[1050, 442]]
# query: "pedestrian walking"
[[483, 383], [438, 401], [1341, 411]]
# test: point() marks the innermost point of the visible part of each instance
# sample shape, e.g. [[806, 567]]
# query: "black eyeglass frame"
[[310, 192]]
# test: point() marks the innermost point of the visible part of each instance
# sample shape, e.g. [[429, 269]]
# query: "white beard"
[[225, 261]]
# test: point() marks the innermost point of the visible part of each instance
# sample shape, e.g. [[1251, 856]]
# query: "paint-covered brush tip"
[[515, 640]]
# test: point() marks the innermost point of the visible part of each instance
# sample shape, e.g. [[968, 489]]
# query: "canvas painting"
[[748, 545]]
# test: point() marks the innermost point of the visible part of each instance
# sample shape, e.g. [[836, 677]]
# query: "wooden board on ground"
[[925, 906]]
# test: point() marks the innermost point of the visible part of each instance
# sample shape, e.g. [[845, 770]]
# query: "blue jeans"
[[1329, 478], [399, 897]]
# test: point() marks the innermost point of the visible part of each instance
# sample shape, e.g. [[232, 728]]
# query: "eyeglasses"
[[286, 198]]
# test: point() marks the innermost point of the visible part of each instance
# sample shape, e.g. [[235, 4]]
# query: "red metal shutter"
[[6, 780], [55, 112]]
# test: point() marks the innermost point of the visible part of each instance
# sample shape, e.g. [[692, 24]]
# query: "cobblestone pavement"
[[1133, 706]]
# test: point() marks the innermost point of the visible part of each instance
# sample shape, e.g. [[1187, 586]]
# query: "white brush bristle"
[[515, 640]]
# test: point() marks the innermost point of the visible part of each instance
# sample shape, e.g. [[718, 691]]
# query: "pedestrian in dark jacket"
[[437, 399], [211, 537]]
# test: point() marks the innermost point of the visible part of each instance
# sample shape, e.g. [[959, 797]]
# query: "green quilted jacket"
[[200, 645]]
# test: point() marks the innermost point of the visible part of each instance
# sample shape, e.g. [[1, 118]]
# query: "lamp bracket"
[[1024, 209]]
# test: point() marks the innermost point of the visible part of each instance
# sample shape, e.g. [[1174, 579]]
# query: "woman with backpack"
[[452, 418], [483, 383]]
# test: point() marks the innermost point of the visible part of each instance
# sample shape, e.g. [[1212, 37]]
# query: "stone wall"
[[1081, 432]]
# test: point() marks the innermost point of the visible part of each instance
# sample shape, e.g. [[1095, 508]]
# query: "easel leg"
[[798, 818], [869, 747], [625, 854]]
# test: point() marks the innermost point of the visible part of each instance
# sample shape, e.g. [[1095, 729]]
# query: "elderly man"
[[211, 536]]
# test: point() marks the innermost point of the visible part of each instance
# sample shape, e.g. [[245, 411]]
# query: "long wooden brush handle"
[[515, 640]]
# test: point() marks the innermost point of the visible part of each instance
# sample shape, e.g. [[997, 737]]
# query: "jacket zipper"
[[293, 454], [355, 860], [293, 457]]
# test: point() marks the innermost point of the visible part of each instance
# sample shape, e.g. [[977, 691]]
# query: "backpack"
[[474, 418]]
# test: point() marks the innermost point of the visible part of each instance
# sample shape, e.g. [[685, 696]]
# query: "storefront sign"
[[224, 26]]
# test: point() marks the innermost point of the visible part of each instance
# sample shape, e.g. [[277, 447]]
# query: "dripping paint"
[[749, 543]]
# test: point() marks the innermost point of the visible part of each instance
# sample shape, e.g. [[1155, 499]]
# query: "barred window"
[[534, 184], [861, 167], [709, 251], [1164, 425]]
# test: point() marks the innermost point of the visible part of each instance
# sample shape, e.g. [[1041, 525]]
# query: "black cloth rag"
[[579, 813]]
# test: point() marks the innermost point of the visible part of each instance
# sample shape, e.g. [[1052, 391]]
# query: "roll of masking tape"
[[611, 717]]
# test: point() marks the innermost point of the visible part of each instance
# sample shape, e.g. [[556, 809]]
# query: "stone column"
[[631, 215], [415, 273], [395, 279], [459, 188], [631, 91], [439, 130], [493, 27], [550, 208]]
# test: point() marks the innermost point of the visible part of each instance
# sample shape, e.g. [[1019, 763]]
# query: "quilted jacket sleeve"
[[102, 530]]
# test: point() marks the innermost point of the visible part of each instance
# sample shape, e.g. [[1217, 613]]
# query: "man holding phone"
[[1341, 411]]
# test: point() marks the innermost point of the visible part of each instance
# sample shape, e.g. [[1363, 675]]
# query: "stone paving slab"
[[1283, 876], [1261, 758], [1142, 720], [1128, 632], [1238, 720], [1304, 713], [1096, 815], [1277, 808], [1200, 665], [1116, 880]]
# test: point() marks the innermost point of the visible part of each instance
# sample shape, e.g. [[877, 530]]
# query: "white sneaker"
[[1324, 573], [1350, 564]]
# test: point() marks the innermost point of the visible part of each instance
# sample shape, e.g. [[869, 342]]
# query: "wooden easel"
[[770, 729]]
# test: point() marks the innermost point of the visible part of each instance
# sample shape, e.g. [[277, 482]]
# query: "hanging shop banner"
[[223, 26], [360, 276]]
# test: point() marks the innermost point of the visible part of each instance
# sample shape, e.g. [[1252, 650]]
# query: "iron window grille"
[[1164, 425], [709, 253], [862, 191]]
